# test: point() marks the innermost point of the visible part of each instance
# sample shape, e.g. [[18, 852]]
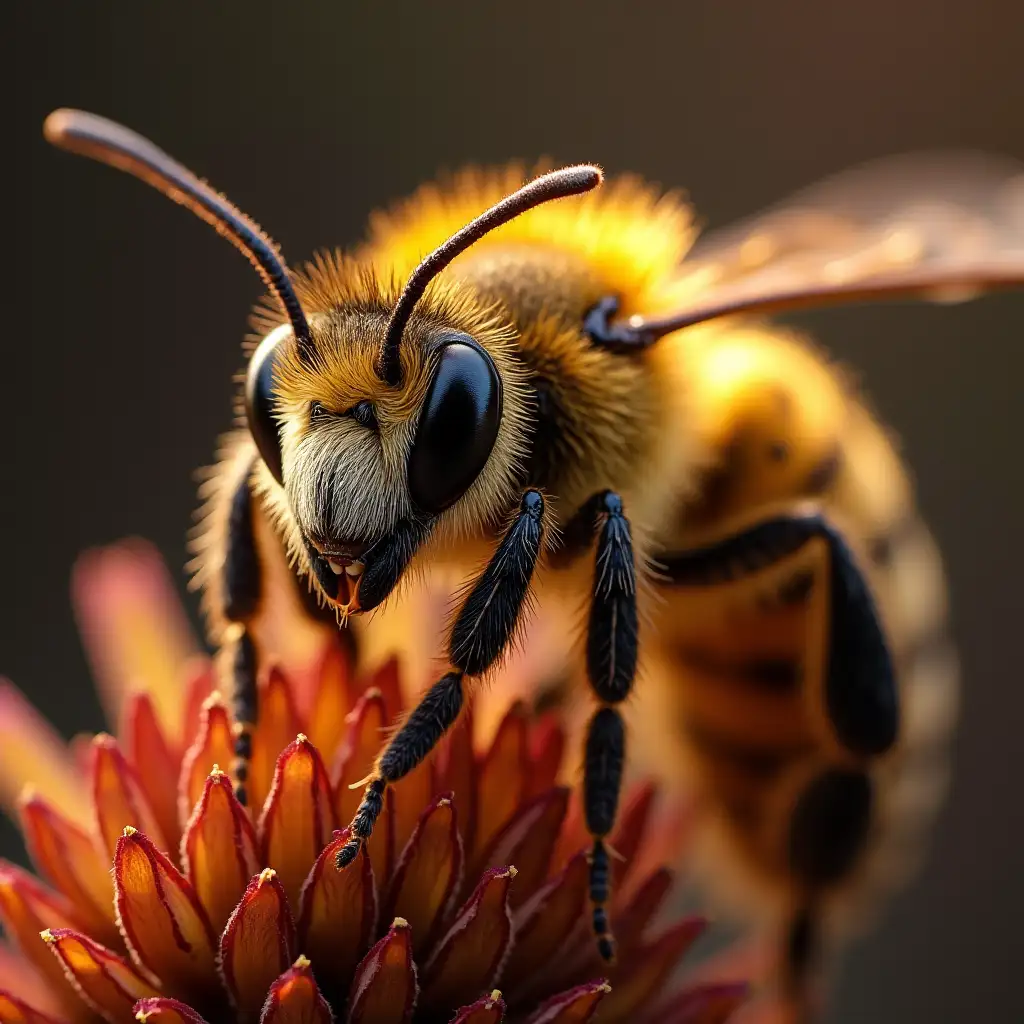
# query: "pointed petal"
[[428, 874], [298, 818], [16, 1011], [528, 841], [338, 910], [106, 982], [69, 858], [155, 762], [363, 742], [27, 908], [470, 956], [295, 999], [163, 922], [457, 773], [486, 1010], [577, 1006], [212, 746], [645, 968], [544, 923], [258, 942], [385, 986], [23, 983], [32, 753], [412, 794], [633, 919], [118, 797], [278, 724], [198, 685], [627, 839], [133, 626], [502, 778], [219, 851], [703, 1004], [547, 747], [333, 698], [166, 1011], [388, 680]]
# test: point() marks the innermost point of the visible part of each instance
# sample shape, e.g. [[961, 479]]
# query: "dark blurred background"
[[116, 375]]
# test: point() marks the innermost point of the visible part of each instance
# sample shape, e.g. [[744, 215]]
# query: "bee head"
[[382, 413]]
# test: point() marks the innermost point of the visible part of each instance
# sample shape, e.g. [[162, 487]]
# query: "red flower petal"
[[166, 1011], [21, 982], [633, 919], [67, 856], [118, 796], [133, 626], [645, 968], [529, 841], [502, 778], [258, 942], [26, 909], [198, 685], [704, 1004], [161, 917], [295, 999], [298, 818], [547, 745], [576, 1006], [338, 910], [544, 923], [278, 724], [219, 851], [385, 986], [154, 760], [32, 753], [429, 872], [457, 772], [15, 1011], [213, 746], [332, 700], [388, 680], [366, 726], [469, 957], [628, 837], [107, 983], [486, 1010]]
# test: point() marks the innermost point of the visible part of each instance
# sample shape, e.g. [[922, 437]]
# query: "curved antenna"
[[569, 181], [113, 144]]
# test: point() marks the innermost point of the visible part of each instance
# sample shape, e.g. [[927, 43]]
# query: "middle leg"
[[483, 629]]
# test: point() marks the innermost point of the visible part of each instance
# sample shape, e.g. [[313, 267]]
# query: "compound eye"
[[259, 400], [458, 427]]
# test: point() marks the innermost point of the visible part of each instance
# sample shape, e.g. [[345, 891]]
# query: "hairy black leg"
[[428, 722], [482, 630], [489, 614], [579, 531], [619, 337], [241, 588], [860, 694], [612, 633]]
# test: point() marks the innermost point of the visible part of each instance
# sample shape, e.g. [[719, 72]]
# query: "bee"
[[567, 394]]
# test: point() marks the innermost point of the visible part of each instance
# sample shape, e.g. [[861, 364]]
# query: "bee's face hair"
[[351, 444]]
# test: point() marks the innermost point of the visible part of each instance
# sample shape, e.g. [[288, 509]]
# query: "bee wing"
[[939, 226]]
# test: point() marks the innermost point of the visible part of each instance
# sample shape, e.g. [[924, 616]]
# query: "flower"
[[467, 904]]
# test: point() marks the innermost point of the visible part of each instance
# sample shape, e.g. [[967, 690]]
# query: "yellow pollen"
[[302, 963], [129, 831], [267, 875], [301, 738], [47, 936], [215, 700], [399, 922]]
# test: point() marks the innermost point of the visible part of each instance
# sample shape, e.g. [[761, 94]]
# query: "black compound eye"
[[364, 414], [260, 404], [458, 427]]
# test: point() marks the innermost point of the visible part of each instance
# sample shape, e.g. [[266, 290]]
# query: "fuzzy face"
[[347, 437]]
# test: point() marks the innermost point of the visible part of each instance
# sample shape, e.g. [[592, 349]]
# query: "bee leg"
[[482, 631], [612, 633], [859, 695], [241, 589]]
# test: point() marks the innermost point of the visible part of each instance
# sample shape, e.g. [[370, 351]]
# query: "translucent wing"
[[939, 226]]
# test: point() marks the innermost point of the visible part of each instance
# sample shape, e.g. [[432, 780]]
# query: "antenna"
[[113, 144], [569, 181]]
